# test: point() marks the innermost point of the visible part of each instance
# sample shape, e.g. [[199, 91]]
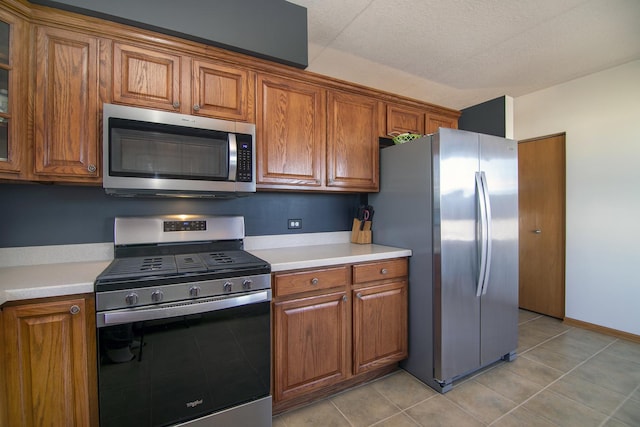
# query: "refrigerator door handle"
[[483, 233], [487, 204]]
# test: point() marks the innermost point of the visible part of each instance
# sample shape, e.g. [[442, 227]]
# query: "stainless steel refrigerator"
[[452, 198]]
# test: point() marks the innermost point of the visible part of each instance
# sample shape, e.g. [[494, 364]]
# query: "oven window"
[[162, 372], [153, 150]]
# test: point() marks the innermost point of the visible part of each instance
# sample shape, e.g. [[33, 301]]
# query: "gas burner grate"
[[151, 264]]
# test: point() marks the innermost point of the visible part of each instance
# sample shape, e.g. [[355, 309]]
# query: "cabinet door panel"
[[146, 77], [66, 104], [310, 337], [352, 142], [436, 121], [379, 325], [402, 119], [221, 91], [290, 134], [48, 370]]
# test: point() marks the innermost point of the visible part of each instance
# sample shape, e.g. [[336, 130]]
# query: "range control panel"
[[185, 225]]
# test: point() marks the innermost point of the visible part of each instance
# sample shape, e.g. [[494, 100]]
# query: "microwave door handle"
[[233, 157]]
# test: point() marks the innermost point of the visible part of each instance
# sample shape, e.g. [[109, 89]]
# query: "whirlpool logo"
[[194, 403]]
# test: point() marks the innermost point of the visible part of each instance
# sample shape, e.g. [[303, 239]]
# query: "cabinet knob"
[[196, 107], [91, 168], [359, 295], [74, 309], [314, 281], [384, 271], [537, 231], [344, 298], [176, 104]]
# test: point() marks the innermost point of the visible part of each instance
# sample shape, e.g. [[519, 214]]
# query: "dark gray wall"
[[269, 29], [34, 214], [488, 118]]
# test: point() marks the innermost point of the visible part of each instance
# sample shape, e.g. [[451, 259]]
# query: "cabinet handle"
[[537, 231], [74, 309], [176, 104], [384, 271], [314, 281], [196, 107], [344, 298], [91, 168], [359, 295]]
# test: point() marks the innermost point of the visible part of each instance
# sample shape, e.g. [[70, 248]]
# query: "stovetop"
[[169, 250], [171, 265]]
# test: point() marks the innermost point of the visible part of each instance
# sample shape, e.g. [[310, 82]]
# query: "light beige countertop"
[[293, 258], [46, 271]]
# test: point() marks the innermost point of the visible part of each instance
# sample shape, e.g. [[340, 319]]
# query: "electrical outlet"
[[294, 223]]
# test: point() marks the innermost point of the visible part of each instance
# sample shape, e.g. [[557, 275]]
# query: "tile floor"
[[563, 376]]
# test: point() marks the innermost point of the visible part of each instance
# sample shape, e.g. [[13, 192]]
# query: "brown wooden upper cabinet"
[[401, 119], [291, 134], [434, 121], [13, 93], [310, 138], [66, 105], [352, 142], [165, 80]]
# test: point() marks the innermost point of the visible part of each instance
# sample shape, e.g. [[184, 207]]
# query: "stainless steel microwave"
[[159, 153]]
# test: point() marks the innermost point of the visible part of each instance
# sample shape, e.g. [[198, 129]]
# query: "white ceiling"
[[458, 53]]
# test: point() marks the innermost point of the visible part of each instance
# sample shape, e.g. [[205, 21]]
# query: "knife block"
[[363, 236]]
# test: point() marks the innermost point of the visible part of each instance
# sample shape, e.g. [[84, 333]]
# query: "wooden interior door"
[[541, 170]]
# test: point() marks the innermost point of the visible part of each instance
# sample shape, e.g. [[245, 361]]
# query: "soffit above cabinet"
[[275, 30]]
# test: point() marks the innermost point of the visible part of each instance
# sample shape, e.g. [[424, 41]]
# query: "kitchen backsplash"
[[38, 215]]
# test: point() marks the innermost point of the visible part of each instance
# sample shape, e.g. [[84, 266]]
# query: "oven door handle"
[[164, 311]]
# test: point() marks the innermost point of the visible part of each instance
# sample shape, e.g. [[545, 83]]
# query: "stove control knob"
[[246, 284], [131, 299], [156, 296], [194, 291], [227, 287]]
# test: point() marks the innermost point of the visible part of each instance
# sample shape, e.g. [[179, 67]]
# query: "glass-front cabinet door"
[[11, 29]]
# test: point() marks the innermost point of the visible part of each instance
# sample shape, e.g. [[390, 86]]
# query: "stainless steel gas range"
[[183, 318]]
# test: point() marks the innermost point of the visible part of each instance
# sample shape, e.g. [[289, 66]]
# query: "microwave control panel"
[[245, 161]]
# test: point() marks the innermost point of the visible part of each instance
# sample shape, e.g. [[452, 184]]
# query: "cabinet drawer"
[[380, 270], [304, 281]]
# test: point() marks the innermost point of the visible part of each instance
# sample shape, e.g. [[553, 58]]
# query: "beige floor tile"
[[636, 395], [588, 393], [563, 411], [520, 417], [278, 422], [611, 372], [403, 389], [612, 422], [625, 349], [559, 361], [549, 325], [572, 346], [480, 401], [534, 371], [629, 413], [508, 384], [318, 414], [399, 420], [364, 406], [589, 340], [440, 412], [525, 316]]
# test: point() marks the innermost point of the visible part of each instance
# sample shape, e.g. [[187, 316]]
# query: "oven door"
[[184, 362]]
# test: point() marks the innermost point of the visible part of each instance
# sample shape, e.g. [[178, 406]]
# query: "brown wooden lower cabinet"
[[336, 326], [50, 362]]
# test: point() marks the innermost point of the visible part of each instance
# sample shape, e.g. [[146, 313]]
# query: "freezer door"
[[456, 306], [499, 301]]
